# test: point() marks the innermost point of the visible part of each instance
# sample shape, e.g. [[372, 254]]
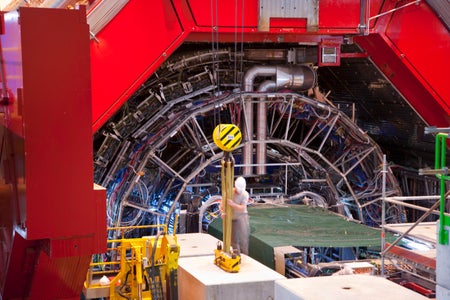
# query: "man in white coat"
[[240, 231]]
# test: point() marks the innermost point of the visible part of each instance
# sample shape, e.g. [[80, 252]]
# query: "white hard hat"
[[240, 183]]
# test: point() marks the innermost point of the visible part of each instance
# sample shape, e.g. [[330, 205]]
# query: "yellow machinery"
[[144, 268], [227, 137]]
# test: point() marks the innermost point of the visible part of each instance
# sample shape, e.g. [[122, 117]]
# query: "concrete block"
[[442, 293], [343, 287], [442, 268], [196, 244], [199, 278]]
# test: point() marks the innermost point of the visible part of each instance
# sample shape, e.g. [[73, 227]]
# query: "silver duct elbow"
[[257, 71], [299, 78], [294, 78]]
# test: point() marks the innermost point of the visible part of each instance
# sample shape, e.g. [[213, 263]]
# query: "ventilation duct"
[[298, 78]]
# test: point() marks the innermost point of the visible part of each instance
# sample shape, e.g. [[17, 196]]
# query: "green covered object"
[[304, 226]]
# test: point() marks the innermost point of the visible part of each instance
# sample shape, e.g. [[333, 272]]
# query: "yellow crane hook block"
[[227, 136]]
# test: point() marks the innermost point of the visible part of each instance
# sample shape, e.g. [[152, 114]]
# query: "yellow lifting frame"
[[227, 137], [145, 268]]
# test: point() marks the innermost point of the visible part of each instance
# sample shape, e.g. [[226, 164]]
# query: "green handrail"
[[440, 164]]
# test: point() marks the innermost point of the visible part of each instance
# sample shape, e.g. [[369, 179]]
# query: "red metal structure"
[[124, 55], [52, 219]]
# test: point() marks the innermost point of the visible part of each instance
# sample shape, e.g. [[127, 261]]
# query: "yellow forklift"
[[144, 268]]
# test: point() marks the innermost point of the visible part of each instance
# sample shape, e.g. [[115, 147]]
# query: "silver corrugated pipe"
[[295, 78]]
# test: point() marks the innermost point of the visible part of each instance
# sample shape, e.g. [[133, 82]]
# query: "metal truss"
[[157, 154]]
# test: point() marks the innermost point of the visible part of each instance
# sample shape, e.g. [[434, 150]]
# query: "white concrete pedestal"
[[342, 287], [199, 278], [196, 244]]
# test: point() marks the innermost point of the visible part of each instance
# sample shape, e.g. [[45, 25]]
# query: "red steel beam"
[[413, 257], [410, 46], [128, 50], [136, 42], [145, 33]]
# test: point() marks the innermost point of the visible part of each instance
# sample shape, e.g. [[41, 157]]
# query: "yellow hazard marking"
[[227, 136]]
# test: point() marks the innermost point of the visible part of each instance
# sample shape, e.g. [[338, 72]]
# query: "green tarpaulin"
[[300, 225]]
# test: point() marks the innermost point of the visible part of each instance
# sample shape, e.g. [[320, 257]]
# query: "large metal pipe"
[[294, 78], [247, 150], [261, 127], [299, 78], [249, 78]]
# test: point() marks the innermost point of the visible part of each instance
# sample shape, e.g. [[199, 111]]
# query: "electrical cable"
[[235, 42]]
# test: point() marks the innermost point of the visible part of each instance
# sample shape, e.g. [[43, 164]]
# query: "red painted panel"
[[334, 16], [225, 13], [411, 48], [130, 48], [19, 274], [100, 223], [409, 85], [59, 278], [46, 167], [144, 33], [339, 14], [423, 42], [193, 20], [58, 140], [288, 23]]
